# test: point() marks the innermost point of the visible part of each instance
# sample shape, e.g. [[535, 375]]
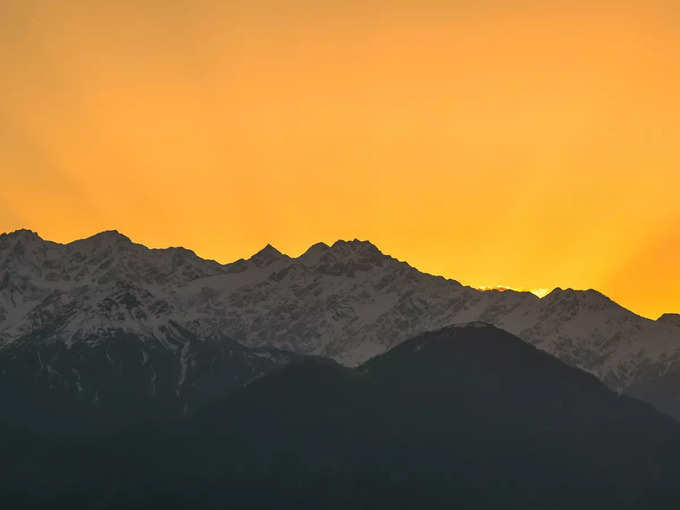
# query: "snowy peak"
[[109, 241], [559, 292], [107, 237], [356, 248], [583, 299], [20, 241], [23, 252], [100, 260], [344, 257], [21, 234], [267, 256], [313, 255]]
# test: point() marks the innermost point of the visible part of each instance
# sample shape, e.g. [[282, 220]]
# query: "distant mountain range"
[[136, 333], [463, 417]]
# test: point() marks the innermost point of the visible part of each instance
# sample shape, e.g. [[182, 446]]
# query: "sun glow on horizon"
[[540, 293]]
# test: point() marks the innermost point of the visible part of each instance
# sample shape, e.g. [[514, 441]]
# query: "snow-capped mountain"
[[347, 301]]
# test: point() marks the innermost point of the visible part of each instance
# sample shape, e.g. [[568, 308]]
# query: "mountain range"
[[107, 323], [467, 416]]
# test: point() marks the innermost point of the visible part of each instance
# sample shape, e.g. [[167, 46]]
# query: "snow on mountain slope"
[[347, 301], [101, 319]]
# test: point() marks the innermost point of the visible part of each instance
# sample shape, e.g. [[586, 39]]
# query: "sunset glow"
[[536, 292], [524, 142]]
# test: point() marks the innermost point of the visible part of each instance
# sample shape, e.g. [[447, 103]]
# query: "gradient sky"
[[520, 143]]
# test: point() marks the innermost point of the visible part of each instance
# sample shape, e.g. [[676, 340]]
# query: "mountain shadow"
[[462, 417]]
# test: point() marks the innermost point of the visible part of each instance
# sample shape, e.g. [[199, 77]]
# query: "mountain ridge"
[[347, 301], [269, 250], [465, 416]]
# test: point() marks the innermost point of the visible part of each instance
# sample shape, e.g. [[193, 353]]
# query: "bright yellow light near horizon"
[[540, 292], [536, 292]]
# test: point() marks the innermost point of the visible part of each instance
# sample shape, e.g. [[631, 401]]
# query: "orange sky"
[[502, 143]]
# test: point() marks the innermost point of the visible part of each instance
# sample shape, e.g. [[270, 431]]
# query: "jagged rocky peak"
[[559, 292], [589, 298], [314, 254], [23, 250], [356, 246], [363, 251], [23, 237], [107, 238], [22, 233], [180, 255], [100, 253], [183, 256], [267, 256], [343, 257]]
